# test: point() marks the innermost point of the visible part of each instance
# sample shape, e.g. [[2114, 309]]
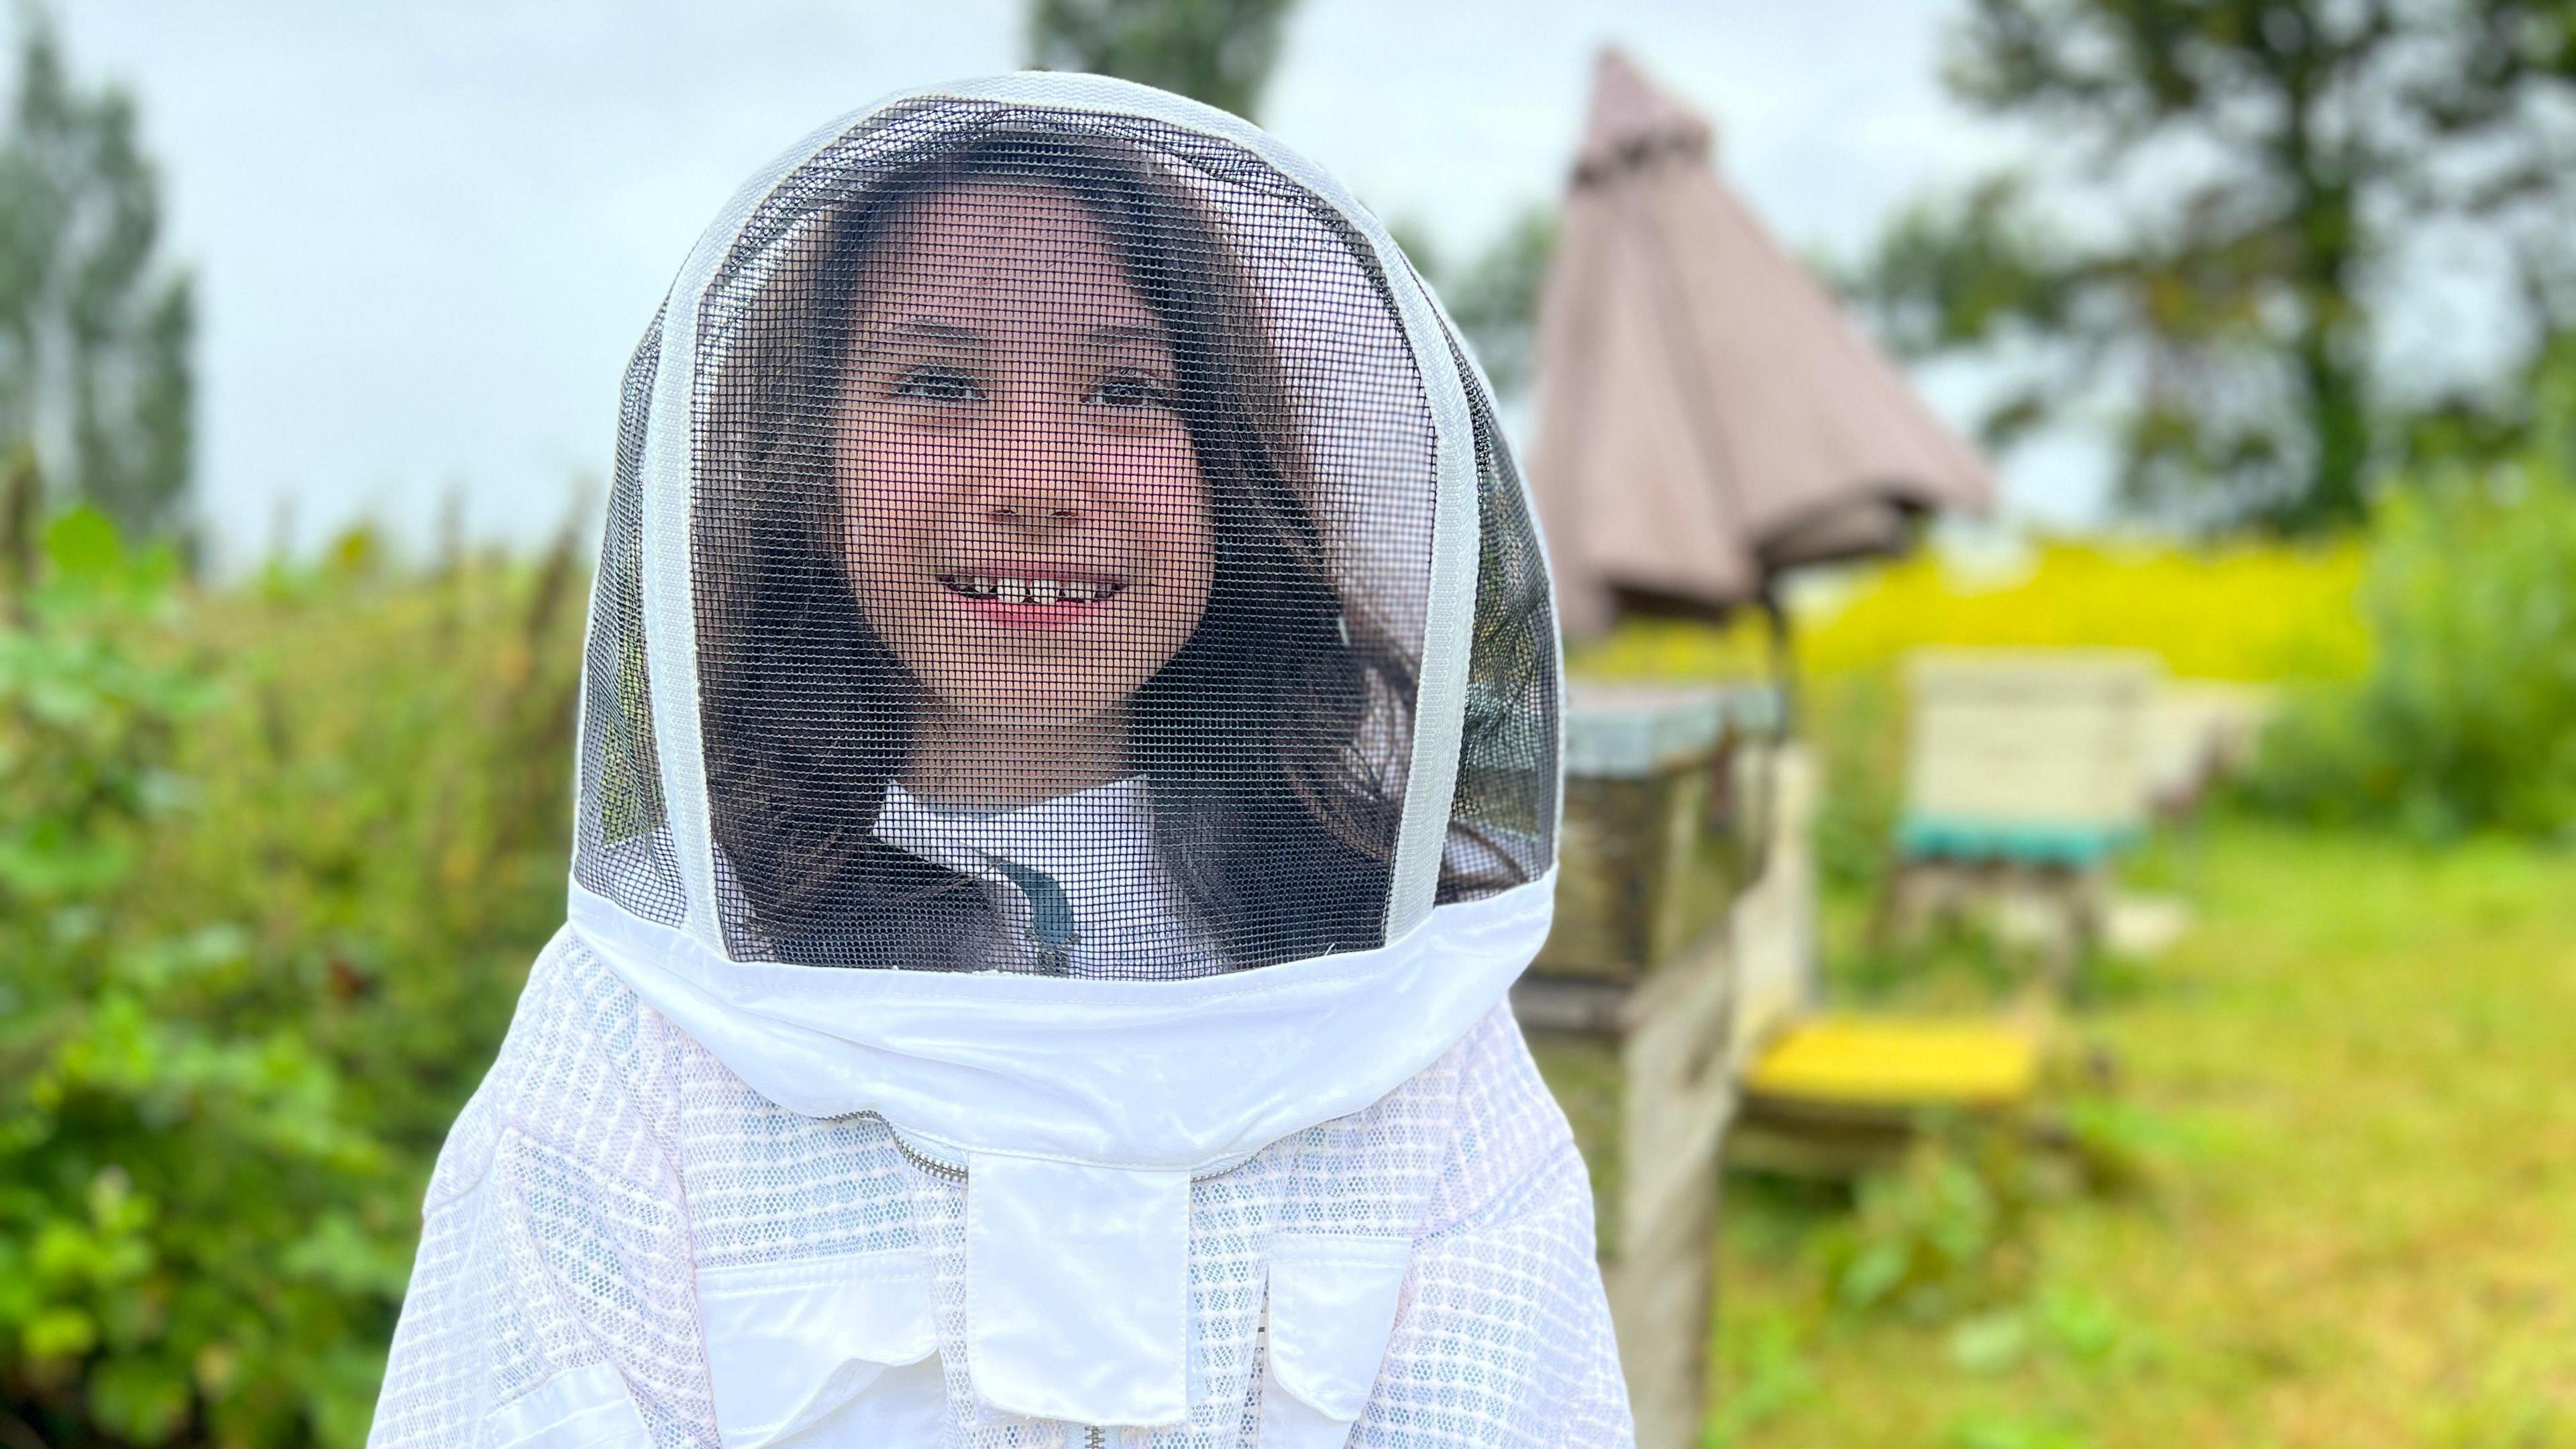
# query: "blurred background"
[[2068, 516]]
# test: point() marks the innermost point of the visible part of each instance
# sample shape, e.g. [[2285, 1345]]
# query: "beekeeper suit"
[[1068, 775]]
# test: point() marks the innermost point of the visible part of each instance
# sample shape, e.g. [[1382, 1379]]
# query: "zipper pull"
[[1050, 914]]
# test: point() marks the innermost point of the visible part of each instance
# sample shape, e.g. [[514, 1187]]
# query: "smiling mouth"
[[1029, 591]]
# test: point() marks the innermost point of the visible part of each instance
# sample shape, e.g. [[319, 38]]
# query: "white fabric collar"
[[1188, 1075]]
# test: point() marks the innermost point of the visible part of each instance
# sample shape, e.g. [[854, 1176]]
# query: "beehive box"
[[1836, 1096], [2027, 753], [1642, 1070], [1647, 864], [1629, 1011]]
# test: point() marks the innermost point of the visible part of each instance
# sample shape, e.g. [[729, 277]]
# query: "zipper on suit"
[[945, 1171]]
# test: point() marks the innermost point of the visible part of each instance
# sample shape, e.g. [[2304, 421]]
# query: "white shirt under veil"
[[1095, 848]]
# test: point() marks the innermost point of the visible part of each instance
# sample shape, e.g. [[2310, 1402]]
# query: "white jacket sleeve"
[[1504, 1334], [551, 1305]]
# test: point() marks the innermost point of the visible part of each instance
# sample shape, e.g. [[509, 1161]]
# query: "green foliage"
[[271, 865], [2345, 1084], [2237, 178], [1494, 299], [2467, 719], [1493, 295], [1767, 1378], [1946, 1234], [1217, 51], [1998, 1431], [97, 326]]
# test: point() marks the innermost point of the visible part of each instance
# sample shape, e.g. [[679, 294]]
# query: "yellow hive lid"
[[1898, 1061]]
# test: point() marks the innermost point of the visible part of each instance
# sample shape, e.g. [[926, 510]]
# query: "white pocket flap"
[[788, 1345], [1078, 1290], [1332, 1309]]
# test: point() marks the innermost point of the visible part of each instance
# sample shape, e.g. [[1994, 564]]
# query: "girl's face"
[[1027, 524]]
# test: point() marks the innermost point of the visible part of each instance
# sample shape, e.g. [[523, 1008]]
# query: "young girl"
[[1068, 775]]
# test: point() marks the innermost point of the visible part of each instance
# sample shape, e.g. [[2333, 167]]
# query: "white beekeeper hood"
[[1071, 673]]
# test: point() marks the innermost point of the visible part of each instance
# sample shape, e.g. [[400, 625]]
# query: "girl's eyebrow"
[[937, 330], [1130, 332], [957, 334], [875, 340]]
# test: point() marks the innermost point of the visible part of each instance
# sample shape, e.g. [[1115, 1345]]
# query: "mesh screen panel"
[[622, 845], [1059, 549], [1502, 819]]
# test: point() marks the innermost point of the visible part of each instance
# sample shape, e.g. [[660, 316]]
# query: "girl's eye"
[[937, 384], [1130, 390]]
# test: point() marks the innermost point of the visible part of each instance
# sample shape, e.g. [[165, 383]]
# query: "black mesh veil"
[[1052, 519]]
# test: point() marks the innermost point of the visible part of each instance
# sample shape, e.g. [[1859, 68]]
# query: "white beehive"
[[2012, 746]]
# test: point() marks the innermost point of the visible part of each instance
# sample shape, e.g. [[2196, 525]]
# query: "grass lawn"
[[2352, 1089]]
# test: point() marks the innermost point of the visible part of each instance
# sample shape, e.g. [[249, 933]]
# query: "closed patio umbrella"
[[1707, 416]]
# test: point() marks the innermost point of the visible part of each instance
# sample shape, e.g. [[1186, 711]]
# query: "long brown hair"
[[1272, 743]]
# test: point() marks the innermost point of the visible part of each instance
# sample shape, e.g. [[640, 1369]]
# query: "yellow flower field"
[[2239, 612]]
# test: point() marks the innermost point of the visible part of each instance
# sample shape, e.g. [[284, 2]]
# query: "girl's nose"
[[1035, 480], [1034, 515]]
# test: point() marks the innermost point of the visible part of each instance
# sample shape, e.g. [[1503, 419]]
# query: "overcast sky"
[[427, 234]]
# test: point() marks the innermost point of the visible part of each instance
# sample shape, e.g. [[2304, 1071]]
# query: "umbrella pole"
[[1783, 655], [1760, 784]]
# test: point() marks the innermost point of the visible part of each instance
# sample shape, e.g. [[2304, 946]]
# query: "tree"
[[1492, 295], [1494, 298], [2257, 163], [1217, 51], [95, 327]]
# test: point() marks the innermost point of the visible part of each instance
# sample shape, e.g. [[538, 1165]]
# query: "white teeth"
[[1031, 591]]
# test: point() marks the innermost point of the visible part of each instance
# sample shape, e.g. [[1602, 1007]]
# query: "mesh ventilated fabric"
[[609, 1162], [1058, 587]]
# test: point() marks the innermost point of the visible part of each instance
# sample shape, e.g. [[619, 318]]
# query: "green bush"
[[272, 862], [2466, 720]]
